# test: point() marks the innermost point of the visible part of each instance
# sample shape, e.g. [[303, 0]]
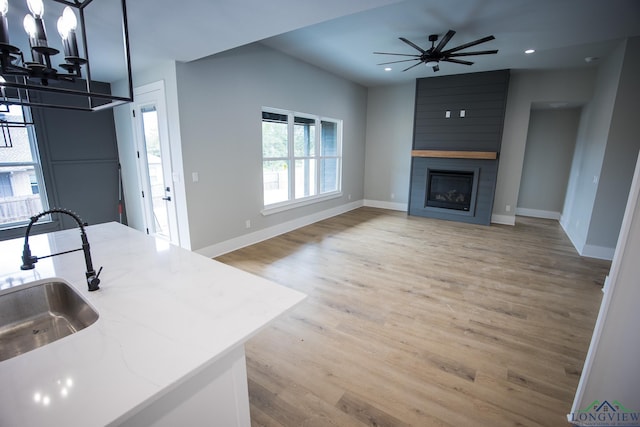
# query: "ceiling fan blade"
[[457, 61], [480, 52], [444, 41], [414, 65], [395, 62], [399, 54], [413, 45], [466, 45]]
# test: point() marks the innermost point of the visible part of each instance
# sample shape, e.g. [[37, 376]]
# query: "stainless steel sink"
[[39, 313]]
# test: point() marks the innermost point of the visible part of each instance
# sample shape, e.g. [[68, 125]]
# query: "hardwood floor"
[[414, 321]]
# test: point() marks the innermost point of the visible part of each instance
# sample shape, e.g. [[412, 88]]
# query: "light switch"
[[447, 114], [462, 113]]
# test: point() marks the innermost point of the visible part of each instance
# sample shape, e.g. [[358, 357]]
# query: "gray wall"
[[580, 217], [220, 100], [526, 88], [79, 157], [547, 160], [389, 138], [623, 144]]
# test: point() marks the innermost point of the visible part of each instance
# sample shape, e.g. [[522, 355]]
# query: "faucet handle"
[[93, 280], [27, 259]]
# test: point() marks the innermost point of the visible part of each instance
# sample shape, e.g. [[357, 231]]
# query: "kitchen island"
[[167, 348]]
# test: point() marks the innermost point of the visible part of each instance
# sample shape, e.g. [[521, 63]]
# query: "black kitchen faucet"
[[29, 260]]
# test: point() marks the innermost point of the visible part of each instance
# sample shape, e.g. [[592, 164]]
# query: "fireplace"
[[452, 188], [449, 189]]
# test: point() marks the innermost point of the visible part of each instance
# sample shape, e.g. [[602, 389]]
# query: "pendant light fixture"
[[54, 70]]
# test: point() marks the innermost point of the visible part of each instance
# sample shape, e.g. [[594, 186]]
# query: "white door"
[[154, 162]]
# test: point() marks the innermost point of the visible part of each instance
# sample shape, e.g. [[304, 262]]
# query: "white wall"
[[220, 100], [611, 368], [547, 160], [390, 112]]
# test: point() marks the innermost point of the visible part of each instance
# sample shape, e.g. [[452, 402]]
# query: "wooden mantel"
[[482, 155]]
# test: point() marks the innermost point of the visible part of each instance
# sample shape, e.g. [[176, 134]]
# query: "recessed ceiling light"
[[529, 51], [388, 68]]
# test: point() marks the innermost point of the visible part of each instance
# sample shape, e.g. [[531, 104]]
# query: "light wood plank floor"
[[414, 321]]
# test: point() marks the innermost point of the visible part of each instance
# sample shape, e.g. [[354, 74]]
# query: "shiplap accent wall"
[[482, 96], [459, 113]]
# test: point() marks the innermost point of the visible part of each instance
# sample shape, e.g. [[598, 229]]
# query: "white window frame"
[[37, 167], [292, 201]]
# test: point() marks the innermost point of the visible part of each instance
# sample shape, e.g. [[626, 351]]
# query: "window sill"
[[285, 206]]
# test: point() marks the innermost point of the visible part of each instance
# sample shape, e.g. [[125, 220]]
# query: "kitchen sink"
[[39, 313]]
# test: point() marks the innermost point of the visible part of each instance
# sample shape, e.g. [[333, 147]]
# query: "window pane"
[[329, 144], [274, 139], [275, 178], [305, 178], [329, 175], [304, 137], [19, 201], [22, 194], [15, 146]]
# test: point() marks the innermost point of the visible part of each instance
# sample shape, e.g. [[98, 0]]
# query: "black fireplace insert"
[[449, 189]]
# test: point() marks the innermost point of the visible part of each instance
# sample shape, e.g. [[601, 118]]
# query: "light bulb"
[[30, 25], [70, 18], [4, 7], [63, 28], [36, 7]]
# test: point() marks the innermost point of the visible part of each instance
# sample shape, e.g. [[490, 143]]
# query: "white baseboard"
[[503, 219], [276, 230], [537, 213], [589, 251], [599, 252], [386, 205]]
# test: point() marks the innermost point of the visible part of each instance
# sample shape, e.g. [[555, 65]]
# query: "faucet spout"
[[28, 260]]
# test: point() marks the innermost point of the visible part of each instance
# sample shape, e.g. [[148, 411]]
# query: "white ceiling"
[[563, 33], [341, 36]]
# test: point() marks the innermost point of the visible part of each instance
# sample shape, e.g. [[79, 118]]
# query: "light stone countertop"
[[164, 313]]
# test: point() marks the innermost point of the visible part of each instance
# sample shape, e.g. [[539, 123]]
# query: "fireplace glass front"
[[449, 189]]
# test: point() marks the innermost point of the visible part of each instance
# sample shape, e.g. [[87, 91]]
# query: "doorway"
[[154, 162]]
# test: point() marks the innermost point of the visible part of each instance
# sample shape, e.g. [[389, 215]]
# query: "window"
[[301, 157], [22, 192]]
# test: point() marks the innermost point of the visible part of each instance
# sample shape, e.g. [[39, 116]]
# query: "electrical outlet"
[[507, 208], [247, 223], [349, 197], [195, 177], [393, 196]]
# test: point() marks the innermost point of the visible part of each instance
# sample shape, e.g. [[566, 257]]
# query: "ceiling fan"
[[434, 55]]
